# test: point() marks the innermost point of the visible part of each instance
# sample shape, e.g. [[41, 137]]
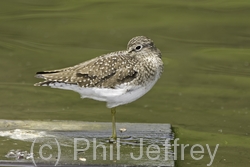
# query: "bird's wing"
[[104, 71]]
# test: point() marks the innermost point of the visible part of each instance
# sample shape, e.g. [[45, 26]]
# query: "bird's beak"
[[130, 50]]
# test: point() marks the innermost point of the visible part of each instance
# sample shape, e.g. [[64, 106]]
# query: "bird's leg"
[[113, 111]]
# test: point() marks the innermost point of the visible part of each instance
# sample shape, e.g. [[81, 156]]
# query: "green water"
[[203, 92]]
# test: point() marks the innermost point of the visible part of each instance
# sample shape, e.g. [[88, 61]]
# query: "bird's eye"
[[138, 48]]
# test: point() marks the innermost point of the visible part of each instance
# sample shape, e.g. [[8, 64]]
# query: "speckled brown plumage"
[[117, 78], [136, 65]]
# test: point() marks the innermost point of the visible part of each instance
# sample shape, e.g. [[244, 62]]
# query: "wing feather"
[[104, 71]]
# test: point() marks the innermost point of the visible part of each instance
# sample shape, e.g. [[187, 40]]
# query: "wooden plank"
[[87, 143]]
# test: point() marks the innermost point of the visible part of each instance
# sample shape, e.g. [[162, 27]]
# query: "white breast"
[[122, 94]]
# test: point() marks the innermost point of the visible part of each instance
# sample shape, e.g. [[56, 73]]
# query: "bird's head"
[[142, 44]]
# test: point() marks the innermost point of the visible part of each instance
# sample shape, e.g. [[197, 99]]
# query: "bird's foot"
[[112, 139]]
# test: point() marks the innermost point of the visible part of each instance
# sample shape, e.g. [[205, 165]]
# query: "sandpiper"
[[117, 78]]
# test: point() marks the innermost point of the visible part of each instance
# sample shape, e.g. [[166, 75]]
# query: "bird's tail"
[[46, 75]]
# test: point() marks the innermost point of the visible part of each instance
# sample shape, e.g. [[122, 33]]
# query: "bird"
[[116, 78]]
